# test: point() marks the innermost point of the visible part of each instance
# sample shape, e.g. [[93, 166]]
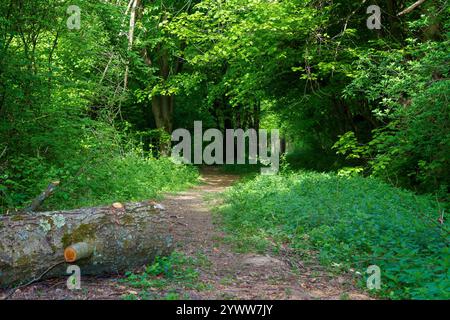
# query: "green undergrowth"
[[126, 179], [350, 224], [107, 179], [167, 278]]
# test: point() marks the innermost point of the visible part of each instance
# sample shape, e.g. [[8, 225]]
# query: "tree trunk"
[[162, 107], [256, 115], [122, 238], [395, 29], [134, 5]]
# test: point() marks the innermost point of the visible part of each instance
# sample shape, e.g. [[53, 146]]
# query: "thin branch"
[[4, 151], [33, 281], [347, 20], [411, 8]]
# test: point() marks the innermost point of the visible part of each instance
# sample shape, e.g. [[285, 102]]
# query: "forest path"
[[232, 275], [225, 274]]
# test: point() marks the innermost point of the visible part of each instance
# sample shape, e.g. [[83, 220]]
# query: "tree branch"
[[411, 8]]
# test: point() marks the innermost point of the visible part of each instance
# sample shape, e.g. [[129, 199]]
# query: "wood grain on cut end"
[[78, 251], [70, 255], [117, 205]]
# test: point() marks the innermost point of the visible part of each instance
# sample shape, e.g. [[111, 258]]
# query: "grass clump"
[[166, 278], [351, 222]]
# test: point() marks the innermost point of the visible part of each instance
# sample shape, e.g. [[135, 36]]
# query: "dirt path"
[[243, 276], [228, 275]]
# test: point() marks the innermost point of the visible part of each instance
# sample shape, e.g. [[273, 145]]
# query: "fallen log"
[[99, 240]]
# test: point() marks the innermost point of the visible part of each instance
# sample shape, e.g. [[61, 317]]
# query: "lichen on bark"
[[84, 232]]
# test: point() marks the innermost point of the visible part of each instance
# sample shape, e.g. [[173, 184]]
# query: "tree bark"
[[162, 108], [134, 4], [122, 239]]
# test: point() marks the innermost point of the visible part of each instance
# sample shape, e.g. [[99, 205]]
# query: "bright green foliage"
[[350, 222], [315, 71], [106, 179], [345, 98], [131, 178], [310, 68], [61, 107], [413, 149]]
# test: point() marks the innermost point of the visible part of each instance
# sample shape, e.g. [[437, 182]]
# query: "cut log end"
[[70, 255], [118, 205], [78, 251]]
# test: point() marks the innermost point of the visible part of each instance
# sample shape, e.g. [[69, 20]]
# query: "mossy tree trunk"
[[122, 239]]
